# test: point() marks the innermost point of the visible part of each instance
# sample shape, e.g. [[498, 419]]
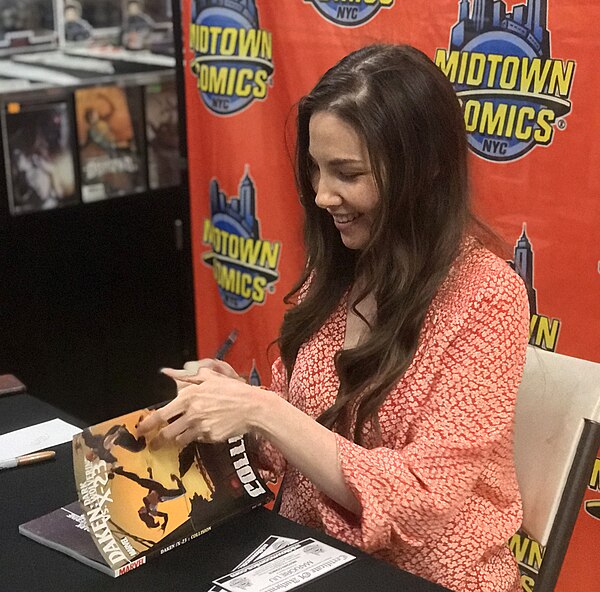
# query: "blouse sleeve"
[[466, 422], [270, 462]]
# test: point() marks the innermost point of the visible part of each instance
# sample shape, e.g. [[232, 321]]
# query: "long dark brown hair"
[[409, 117]]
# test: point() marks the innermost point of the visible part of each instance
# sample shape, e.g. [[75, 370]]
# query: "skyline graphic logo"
[[349, 13], [245, 266], [543, 330], [233, 56], [514, 94]]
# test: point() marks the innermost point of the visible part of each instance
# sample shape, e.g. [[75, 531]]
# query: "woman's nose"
[[326, 196]]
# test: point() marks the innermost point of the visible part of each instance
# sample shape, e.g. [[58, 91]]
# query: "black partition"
[[96, 293]]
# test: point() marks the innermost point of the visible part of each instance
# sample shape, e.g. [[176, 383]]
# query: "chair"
[[557, 437]]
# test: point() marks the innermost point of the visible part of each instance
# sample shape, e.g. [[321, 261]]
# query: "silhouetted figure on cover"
[[157, 493], [101, 445]]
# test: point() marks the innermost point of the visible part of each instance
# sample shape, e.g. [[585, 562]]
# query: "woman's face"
[[342, 177]]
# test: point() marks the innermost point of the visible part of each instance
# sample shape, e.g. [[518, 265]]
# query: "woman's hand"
[[210, 407], [189, 373]]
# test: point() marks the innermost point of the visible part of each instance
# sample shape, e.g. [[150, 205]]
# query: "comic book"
[[136, 502], [162, 133], [66, 530], [39, 150], [110, 137]]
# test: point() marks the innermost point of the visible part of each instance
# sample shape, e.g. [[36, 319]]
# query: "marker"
[[226, 345], [27, 459]]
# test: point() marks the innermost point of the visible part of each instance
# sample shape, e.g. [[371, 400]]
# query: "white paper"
[[36, 437], [269, 545], [286, 569]]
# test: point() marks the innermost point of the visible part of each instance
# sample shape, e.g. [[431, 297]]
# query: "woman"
[[391, 406]]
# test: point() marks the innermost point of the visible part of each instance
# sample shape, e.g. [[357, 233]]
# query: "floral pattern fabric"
[[438, 492]]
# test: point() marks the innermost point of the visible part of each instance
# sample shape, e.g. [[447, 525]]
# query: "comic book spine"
[[94, 492]]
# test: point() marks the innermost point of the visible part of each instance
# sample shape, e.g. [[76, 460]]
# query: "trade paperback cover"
[[139, 503], [109, 131], [162, 134], [66, 530], [39, 155]]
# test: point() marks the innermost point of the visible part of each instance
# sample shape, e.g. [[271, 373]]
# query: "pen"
[[27, 459], [226, 345]]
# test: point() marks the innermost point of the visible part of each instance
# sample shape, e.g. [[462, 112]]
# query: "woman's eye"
[[345, 176]]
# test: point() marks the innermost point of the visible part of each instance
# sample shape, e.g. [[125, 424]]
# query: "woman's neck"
[[360, 316]]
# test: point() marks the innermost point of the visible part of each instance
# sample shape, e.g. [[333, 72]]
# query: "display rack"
[[94, 215], [75, 123]]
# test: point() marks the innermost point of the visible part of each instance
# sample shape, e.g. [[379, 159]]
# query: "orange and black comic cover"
[[136, 500], [110, 138], [162, 134]]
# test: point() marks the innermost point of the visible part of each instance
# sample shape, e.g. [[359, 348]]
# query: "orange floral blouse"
[[438, 492]]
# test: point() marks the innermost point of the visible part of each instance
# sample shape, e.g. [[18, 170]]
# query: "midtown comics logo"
[[592, 506], [244, 266], [233, 56], [543, 330], [529, 554], [349, 13], [514, 94]]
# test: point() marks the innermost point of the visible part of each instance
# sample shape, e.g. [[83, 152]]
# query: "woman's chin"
[[355, 242]]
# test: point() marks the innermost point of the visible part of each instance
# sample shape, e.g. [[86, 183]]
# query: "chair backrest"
[[556, 394]]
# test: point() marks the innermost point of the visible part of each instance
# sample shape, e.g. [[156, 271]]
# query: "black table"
[[31, 491]]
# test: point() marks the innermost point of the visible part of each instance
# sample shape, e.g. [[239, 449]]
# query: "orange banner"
[[526, 76]]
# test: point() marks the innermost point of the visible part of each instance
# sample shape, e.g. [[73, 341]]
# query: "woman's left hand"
[[215, 409]]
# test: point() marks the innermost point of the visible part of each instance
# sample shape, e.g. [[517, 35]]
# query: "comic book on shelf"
[[162, 134], [136, 503], [110, 137], [39, 147]]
